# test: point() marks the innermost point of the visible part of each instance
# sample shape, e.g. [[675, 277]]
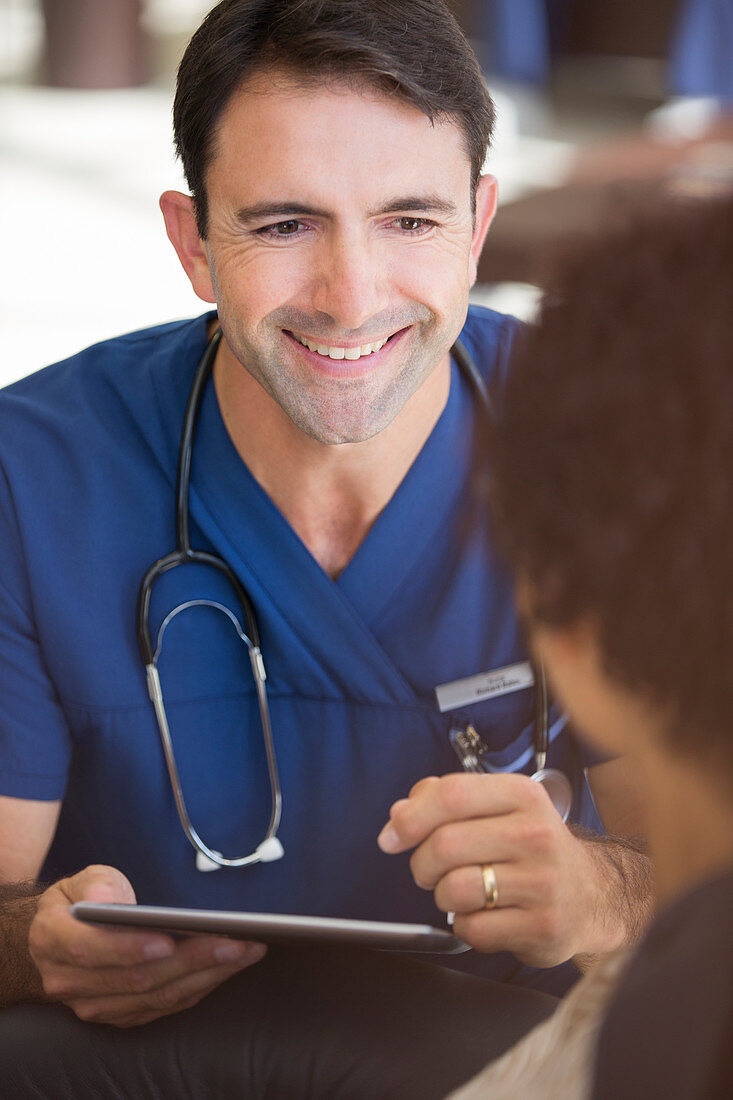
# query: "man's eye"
[[414, 225], [287, 228]]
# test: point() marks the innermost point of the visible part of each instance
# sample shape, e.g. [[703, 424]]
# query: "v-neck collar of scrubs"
[[424, 503], [281, 573]]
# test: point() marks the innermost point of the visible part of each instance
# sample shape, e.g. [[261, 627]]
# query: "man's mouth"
[[336, 352]]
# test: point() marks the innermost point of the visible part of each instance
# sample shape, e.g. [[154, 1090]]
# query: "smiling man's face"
[[340, 251]]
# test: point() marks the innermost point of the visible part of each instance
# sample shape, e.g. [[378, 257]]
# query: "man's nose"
[[350, 284]]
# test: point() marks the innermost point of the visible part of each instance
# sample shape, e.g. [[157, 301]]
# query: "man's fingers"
[[58, 938], [462, 889], [423, 785], [453, 798], [490, 930], [123, 976], [138, 1008], [129, 977], [98, 883], [529, 935], [530, 838]]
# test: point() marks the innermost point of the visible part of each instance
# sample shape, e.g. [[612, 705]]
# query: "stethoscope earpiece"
[[267, 852]]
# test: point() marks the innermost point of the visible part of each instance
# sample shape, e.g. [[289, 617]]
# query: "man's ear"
[[180, 225], [485, 210]]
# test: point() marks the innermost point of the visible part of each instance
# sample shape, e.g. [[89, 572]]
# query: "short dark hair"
[[412, 50], [612, 465]]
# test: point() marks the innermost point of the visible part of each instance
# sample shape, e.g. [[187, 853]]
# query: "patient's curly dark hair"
[[612, 465]]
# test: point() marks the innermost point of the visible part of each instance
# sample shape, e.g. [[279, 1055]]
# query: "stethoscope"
[[270, 848]]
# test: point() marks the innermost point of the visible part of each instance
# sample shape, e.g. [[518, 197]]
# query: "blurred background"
[[599, 104]]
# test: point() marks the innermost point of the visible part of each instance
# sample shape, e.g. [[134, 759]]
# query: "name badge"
[[486, 685]]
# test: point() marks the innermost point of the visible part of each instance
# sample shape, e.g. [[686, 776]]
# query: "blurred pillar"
[[626, 28], [94, 44], [702, 57], [514, 36]]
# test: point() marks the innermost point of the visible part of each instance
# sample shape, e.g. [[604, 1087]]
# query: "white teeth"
[[343, 353]]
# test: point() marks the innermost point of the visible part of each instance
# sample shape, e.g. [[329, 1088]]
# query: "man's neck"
[[330, 495]]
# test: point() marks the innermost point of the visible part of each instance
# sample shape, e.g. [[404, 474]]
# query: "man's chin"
[[337, 426], [337, 437]]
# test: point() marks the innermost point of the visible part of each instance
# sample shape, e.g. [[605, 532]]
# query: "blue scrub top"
[[88, 453]]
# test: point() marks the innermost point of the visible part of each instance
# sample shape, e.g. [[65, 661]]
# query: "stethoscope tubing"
[[185, 555]]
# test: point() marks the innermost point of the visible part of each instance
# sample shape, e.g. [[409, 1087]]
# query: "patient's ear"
[[604, 711], [565, 650], [615, 717], [555, 644], [180, 225]]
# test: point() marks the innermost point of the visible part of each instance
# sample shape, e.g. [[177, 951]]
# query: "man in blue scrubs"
[[334, 154]]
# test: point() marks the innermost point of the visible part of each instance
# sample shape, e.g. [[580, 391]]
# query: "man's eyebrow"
[[424, 204], [281, 210]]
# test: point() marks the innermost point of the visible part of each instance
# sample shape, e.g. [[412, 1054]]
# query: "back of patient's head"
[[612, 469]]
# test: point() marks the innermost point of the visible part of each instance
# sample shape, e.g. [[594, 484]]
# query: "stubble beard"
[[335, 411]]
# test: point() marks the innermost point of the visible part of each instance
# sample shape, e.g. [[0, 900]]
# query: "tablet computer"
[[274, 927]]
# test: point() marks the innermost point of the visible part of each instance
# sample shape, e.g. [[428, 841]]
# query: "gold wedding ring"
[[491, 890]]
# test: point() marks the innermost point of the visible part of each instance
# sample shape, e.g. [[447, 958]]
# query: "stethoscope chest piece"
[[558, 788]]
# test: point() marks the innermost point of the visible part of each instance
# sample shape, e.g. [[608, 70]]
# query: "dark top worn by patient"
[[668, 1031]]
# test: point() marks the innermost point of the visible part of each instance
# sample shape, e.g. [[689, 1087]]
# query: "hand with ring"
[[496, 853]]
